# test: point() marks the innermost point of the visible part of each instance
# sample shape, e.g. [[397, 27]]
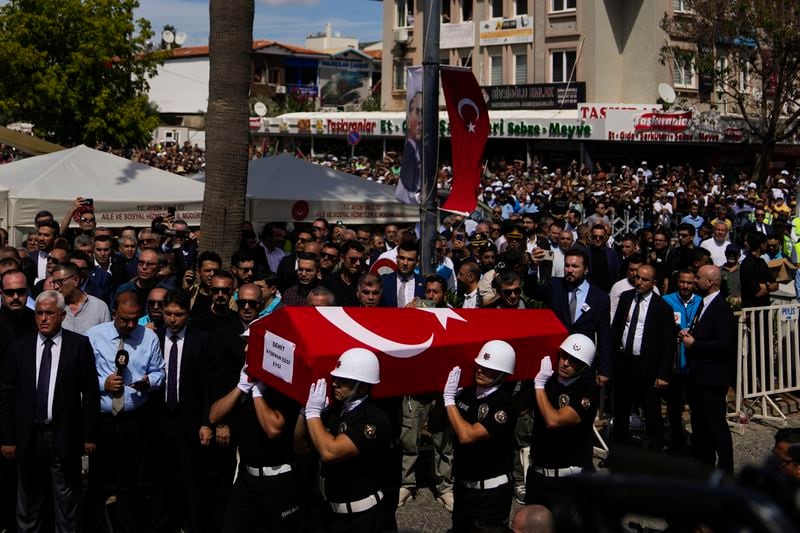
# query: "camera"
[[88, 202]]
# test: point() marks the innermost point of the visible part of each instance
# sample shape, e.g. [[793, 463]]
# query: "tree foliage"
[[750, 52], [77, 69]]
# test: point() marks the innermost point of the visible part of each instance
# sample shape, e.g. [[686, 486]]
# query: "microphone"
[[122, 361]]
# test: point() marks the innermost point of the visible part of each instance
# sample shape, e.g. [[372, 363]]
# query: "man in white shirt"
[[718, 243]]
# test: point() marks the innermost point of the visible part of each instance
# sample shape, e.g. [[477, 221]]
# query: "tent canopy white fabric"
[[283, 188], [125, 193]]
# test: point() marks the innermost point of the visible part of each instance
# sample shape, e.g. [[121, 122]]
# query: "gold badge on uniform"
[[586, 402], [342, 427], [483, 410], [370, 431], [501, 417], [563, 400]]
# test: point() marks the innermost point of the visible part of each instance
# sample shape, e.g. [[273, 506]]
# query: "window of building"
[[497, 9], [563, 5], [496, 72], [400, 73], [683, 75], [465, 58], [466, 10], [562, 63], [520, 68], [681, 6], [405, 13], [446, 12], [521, 7]]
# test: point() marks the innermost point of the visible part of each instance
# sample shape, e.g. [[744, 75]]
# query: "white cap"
[[640, 170], [358, 364], [752, 185], [784, 172], [580, 347], [497, 355], [644, 163], [783, 181], [670, 194]]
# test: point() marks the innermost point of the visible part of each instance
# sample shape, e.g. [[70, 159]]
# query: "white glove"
[[245, 381], [545, 372], [258, 389], [451, 387], [317, 396]]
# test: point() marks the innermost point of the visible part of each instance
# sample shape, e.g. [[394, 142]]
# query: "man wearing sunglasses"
[[147, 267], [218, 314], [154, 317], [344, 284], [56, 256], [82, 310]]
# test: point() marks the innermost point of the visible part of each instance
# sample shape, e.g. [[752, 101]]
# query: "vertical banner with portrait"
[[410, 182]]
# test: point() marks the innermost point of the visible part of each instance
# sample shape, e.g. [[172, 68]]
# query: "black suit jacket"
[[76, 397], [594, 321], [712, 357], [193, 397], [389, 295], [287, 274], [658, 342]]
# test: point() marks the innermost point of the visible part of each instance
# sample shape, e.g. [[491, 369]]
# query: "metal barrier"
[[768, 360]]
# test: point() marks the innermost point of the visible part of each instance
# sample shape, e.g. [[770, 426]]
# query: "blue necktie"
[[172, 375], [43, 384]]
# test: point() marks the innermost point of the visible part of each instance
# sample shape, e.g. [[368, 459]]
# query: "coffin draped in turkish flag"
[[293, 346]]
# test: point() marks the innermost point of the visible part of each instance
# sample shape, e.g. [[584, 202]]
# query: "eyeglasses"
[[598, 237], [220, 290], [85, 219], [325, 255], [148, 264], [354, 260], [155, 303], [511, 292], [59, 282], [51, 259], [252, 304], [22, 291]]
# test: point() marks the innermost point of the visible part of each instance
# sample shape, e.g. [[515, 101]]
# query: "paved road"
[[752, 445]]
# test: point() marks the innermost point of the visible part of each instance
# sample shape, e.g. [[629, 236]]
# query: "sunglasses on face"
[[86, 220], [155, 303], [22, 291], [332, 257], [511, 292], [220, 290], [252, 304]]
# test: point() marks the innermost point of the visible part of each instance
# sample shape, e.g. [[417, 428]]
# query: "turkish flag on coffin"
[[417, 348]]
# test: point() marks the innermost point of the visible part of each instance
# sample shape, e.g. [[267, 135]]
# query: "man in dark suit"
[[643, 337], [711, 356], [400, 288], [109, 261], [49, 405], [759, 224], [182, 408], [287, 268], [604, 262], [582, 307]]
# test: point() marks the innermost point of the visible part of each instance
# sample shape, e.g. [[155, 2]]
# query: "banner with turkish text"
[[469, 129], [410, 182], [417, 348]]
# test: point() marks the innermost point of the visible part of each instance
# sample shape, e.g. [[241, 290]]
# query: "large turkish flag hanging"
[[469, 129], [294, 346]]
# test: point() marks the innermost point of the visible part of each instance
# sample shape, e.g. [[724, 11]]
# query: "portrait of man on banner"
[[408, 186]]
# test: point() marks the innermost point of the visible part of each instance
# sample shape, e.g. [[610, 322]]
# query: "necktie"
[[632, 327], [172, 375], [573, 304], [697, 315], [401, 295], [118, 400], [43, 384]]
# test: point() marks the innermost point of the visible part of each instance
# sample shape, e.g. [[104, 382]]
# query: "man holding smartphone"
[[82, 212]]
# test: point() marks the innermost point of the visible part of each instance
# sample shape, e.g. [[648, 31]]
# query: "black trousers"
[[631, 386], [543, 490], [676, 400], [8, 496], [44, 474], [481, 508], [711, 436], [269, 503], [369, 521]]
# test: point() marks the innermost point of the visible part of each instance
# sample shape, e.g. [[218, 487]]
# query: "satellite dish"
[[180, 38], [168, 36], [260, 109], [666, 92]]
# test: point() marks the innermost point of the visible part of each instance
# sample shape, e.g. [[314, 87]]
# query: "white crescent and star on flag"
[[470, 103], [338, 317]]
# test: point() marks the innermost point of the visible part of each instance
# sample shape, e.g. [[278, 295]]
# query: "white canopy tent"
[[283, 188], [125, 193]]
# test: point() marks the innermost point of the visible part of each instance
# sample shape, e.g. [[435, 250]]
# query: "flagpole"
[[430, 136]]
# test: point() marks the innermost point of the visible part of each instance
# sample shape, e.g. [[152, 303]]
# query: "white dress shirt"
[[55, 352], [167, 350], [639, 333]]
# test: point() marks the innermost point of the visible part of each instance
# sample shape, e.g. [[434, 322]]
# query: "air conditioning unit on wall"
[[401, 35]]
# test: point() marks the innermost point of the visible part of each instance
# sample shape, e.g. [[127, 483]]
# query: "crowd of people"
[[128, 346]]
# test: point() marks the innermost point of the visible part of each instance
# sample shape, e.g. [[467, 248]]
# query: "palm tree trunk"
[[227, 131]]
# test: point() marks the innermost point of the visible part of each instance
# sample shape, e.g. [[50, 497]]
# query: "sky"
[[288, 21]]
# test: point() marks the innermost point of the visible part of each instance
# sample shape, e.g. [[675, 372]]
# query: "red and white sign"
[[674, 122], [417, 348]]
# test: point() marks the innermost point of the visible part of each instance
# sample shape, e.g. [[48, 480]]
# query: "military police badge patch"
[[370, 431], [483, 410], [342, 427], [501, 417], [586, 402], [563, 400]]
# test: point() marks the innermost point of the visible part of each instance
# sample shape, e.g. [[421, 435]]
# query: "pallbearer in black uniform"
[[353, 439], [483, 417], [564, 409], [266, 495]]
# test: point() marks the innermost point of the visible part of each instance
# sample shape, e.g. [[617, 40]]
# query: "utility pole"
[[429, 220]]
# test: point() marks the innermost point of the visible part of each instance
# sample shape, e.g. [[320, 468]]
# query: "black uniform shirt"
[[564, 446], [494, 456], [255, 447], [358, 477]]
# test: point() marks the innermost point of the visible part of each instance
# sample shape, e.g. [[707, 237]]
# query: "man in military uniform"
[[353, 439], [483, 417], [564, 410], [267, 490]]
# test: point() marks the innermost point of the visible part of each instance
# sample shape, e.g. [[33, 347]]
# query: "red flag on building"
[[469, 129]]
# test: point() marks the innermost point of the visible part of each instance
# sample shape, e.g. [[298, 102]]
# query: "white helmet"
[[359, 364], [497, 355], [580, 347]]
